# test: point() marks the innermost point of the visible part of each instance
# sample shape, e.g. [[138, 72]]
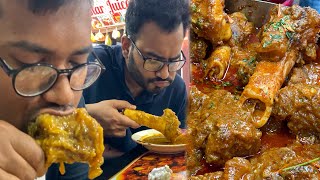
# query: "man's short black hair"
[[167, 14], [48, 6]]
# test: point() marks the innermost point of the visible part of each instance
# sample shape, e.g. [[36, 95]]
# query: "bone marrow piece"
[[264, 84], [217, 63]]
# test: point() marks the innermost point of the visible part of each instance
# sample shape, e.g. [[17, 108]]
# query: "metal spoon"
[[255, 10]]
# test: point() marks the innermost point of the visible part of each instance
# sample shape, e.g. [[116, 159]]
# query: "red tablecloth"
[[140, 167]]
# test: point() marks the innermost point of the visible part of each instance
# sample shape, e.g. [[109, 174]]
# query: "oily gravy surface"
[[156, 139]]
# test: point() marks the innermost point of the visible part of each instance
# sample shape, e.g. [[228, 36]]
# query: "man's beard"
[[140, 80]]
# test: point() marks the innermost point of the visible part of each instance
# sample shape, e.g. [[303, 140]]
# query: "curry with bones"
[[254, 106]]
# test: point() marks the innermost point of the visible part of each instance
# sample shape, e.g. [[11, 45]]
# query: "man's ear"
[[126, 43]]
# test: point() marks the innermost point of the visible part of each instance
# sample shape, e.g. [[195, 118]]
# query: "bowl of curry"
[[155, 141], [255, 93]]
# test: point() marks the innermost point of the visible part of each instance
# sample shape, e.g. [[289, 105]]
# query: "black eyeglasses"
[[35, 79], [153, 64]]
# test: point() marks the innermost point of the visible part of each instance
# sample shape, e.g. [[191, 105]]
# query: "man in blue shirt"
[[315, 4], [141, 74], [43, 69]]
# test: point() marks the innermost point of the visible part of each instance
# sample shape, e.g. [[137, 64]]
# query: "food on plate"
[[160, 173], [256, 116], [141, 168], [156, 139], [67, 139], [167, 124]]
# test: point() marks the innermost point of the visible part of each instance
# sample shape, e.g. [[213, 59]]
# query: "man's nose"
[[163, 72], [61, 93]]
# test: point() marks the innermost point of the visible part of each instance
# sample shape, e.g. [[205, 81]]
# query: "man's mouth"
[[57, 111], [53, 110], [161, 83]]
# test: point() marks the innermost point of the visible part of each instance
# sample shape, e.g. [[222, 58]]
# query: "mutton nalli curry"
[[254, 108]]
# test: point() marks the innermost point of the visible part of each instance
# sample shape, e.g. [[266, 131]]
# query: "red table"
[[140, 167]]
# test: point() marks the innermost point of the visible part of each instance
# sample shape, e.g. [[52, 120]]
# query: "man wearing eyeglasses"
[[43, 59], [141, 74]]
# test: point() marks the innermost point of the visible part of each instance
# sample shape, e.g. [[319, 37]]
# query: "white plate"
[[158, 148]]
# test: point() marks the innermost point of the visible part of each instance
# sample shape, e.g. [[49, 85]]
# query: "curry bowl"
[[154, 141]]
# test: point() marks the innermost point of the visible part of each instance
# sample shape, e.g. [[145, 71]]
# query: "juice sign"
[[109, 12]]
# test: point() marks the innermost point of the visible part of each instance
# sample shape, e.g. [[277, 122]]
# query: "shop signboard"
[[107, 13]]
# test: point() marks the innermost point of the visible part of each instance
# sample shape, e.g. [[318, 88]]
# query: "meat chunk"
[[299, 105], [219, 130], [283, 163], [267, 164], [209, 176], [290, 27], [307, 74], [198, 48], [210, 21], [229, 137], [241, 29], [294, 162], [68, 139], [238, 168], [306, 28]]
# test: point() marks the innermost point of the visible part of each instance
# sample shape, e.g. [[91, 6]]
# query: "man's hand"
[[20, 156], [113, 122]]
